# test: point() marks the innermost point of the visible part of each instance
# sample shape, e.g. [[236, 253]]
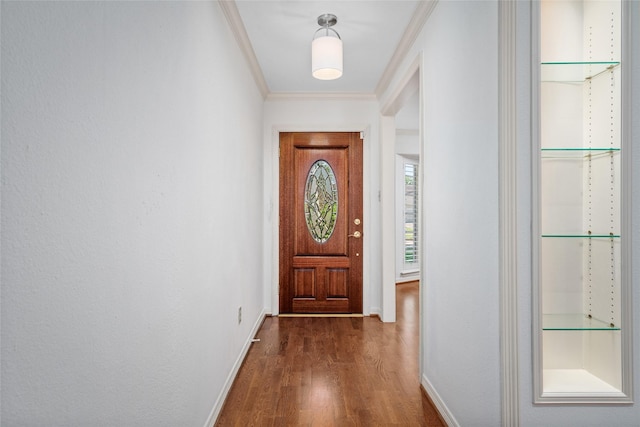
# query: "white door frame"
[[274, 207], [406, 87]]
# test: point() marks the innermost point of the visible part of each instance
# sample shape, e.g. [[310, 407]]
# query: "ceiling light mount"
[[326, 49], [327, 20]]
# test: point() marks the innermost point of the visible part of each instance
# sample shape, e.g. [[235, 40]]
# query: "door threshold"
[[320, 315]]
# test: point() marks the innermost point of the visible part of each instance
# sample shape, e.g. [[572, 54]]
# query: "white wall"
[[307, 114], [131, 212], [460, 357], [408, 144]]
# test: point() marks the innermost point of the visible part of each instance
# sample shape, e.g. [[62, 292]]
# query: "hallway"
[[333, 372]]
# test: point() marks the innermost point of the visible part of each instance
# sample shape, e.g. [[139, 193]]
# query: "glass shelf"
[[575, 322], [576, 72], [577, 153], [582, 236]]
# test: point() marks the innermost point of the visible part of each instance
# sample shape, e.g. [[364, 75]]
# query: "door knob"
[[355, 234]]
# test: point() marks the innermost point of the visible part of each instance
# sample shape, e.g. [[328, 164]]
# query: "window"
[[321, 201], [411, 253]]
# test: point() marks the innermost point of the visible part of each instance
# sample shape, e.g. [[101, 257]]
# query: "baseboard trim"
[[443, 411], [217, 408]]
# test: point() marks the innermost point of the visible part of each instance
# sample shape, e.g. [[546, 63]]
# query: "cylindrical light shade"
[[326, 58]]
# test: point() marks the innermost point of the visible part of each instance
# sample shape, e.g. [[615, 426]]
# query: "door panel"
[[318, 276]]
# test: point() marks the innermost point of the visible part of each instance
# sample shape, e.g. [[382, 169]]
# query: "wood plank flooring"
[[333, 372]]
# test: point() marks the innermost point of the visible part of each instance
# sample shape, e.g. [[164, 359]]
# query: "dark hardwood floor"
[[333, 372]]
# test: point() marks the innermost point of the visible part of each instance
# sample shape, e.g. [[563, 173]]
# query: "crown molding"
[[317, 96], [232, 14], [420, 16], [406, 86]]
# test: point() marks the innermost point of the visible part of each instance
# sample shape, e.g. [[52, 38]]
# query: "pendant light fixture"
[[326, 50]]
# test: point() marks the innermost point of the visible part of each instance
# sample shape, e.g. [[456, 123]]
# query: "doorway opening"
[[407, 189], [400, 156], [402, 231]]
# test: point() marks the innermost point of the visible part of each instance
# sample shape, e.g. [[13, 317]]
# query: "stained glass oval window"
[[321, 201]]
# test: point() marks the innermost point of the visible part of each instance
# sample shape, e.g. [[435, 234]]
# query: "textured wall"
[[131, 211], [461, 347]]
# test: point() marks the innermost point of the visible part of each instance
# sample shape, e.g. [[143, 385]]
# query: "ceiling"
[[280, 35]]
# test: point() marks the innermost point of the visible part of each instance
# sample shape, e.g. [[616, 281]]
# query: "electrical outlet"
[[239, 315]]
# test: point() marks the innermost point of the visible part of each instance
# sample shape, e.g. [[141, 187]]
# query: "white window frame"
[[405, 271]]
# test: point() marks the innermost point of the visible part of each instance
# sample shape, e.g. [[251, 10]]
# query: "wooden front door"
[[321, 222]]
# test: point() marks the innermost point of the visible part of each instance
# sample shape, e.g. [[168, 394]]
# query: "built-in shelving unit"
[[579, 318]]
